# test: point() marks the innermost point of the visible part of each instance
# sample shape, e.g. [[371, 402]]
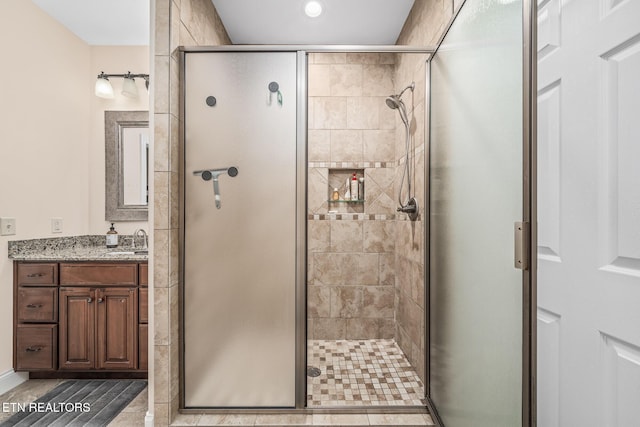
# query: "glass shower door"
[[239, 229], [479, 301]]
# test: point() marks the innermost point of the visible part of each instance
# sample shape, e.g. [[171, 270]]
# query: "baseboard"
[[11, 379], [148, 420]]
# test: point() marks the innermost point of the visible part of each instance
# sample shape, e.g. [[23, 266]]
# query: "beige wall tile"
[[318, 236], [329, 58], [319, 145], [387, 269], [361, 328], [162, 12], [186, 39], [174, 253], [346, 269], [378, 145], [318, 301], [161, 374], [329, 328], [161, 199], [377, 302], [346, 236], [379, 236], [174, 143], [161, 142], [377, 80], [174, 34], [161, 414], [346, 80], [387, 116], [161, 258], [346, 301], [346, 146], [387, 58], [319, 80], [160, 83], [363, 112], [161, 316], [329, 113], [174, 200], [317, 190]]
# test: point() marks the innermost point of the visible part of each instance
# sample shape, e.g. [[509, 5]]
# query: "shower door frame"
[[302, 52], [529, 209]]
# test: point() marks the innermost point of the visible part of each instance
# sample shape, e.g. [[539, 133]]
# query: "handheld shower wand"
[[395, 102]]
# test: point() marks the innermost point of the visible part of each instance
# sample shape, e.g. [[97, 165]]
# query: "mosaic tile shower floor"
[[361, 373]]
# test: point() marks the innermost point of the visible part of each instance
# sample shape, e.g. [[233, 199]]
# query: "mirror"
[[127, 160]]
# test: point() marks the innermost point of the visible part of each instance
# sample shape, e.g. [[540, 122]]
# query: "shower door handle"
[[213, 174]]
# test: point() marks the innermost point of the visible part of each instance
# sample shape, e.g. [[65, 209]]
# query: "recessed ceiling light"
[[313, 9]]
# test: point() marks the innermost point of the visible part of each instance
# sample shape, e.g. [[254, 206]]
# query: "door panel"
[[77, 328], [589, 254], [239, 259], [476, 196], [117, 328]]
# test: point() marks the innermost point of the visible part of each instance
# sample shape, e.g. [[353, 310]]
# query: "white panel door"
[[589, 213]]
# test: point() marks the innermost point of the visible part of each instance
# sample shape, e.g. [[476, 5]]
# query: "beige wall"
[[177, 23], [424, 26], [52, 134], [111, 60], [351, 262], [43, 137]]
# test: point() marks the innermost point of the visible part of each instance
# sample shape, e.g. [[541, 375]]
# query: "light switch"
[[7, 226], [56, 225]]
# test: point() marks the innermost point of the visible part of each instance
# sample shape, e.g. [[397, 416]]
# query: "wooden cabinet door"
[[77, 328], [117, 328]]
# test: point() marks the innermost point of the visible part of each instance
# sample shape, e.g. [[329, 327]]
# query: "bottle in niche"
[[354, 187], [361, 189], [335, 196], [347, 191], [112, 237]]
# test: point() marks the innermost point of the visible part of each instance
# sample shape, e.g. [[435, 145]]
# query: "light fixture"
[[105, 90], [313, 9]]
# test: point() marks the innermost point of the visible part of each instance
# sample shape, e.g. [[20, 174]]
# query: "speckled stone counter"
[[76, 248]]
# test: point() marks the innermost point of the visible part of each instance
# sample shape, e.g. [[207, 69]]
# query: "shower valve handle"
[[213, 174]]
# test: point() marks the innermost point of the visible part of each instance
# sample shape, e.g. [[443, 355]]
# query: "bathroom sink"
[[142, 252], [115, 253]]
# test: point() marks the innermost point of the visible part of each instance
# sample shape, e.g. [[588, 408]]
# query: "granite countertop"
[[77, 248]]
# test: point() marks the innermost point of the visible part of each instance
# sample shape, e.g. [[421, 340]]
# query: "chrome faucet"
[[140, 232]]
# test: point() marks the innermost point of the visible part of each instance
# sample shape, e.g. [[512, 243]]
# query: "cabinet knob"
[[34, 305], [100, 300], [33, 349], [89, 299]]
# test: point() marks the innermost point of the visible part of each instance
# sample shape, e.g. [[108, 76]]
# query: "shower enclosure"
[[300, 293]]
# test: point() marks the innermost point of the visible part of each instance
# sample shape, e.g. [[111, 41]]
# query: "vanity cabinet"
[[80, 317]]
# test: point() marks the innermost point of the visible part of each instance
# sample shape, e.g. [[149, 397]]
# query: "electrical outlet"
[[7, 226], [56, 225]]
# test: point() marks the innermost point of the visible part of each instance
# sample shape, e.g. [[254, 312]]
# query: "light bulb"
[[313, 9]]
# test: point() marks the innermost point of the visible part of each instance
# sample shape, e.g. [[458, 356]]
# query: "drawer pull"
[[89, 300], [36, 275], [100, 300], [34, 305], [33, 349]]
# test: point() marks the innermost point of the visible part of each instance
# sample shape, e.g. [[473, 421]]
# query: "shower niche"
[[340, 195]]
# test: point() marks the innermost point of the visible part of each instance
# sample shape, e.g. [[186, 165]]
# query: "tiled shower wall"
[[424, 26], [351, 246], [177, 23]]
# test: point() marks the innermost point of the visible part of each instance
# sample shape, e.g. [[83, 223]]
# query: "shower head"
[[393, 101]]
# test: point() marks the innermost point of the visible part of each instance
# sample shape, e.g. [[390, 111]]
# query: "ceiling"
[[100, 22], [351, 22], [355, 22]]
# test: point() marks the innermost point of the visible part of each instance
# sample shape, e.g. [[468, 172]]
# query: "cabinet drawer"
[[36, 347], [122, 274], [37, 274], [143, 298], [37, 305], [144, 275]]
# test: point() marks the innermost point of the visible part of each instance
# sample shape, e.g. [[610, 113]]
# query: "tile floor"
[[361, 373], [131, 416]]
